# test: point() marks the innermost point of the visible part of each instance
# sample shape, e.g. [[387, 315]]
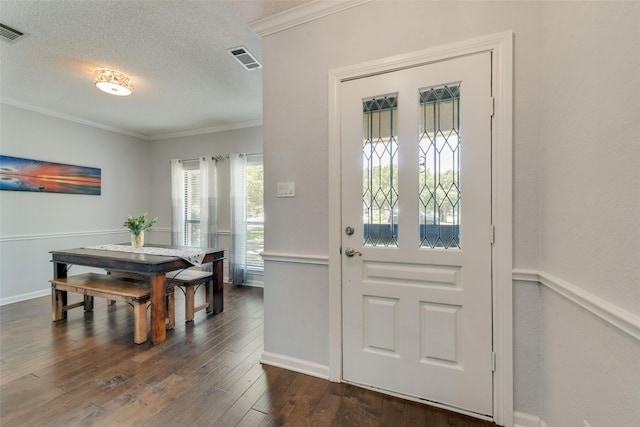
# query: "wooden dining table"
[[151, 268]]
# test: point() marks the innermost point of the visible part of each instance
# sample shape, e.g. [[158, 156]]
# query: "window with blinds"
[[191, 204], [254, 208]]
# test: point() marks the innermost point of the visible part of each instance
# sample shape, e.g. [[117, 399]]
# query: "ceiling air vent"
[[9, 34], [243, 56]]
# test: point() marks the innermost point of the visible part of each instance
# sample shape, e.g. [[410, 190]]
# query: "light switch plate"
[[286, 189]]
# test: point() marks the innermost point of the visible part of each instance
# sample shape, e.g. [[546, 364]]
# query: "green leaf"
[[140, 223]]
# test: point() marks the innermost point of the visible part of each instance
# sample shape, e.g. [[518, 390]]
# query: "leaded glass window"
[[380, 171], [439, 166]]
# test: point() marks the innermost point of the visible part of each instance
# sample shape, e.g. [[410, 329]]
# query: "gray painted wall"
[[589, 208], [575, 122], [31, 224], [135, 179]]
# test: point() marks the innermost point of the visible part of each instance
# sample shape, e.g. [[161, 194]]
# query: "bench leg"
[[58, 301], [139, 323], [88, 303], [189, 302]]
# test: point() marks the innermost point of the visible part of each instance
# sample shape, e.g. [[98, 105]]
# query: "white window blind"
[[192, 204]]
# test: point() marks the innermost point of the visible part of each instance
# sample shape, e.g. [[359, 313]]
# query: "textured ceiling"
[[175, 52]]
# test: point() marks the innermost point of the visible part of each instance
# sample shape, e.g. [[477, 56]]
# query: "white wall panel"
[[590, 370], [297, 324], [527, 355]]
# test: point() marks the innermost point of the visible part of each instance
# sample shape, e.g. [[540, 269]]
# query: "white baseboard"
[[294, 364], [521, 419], [24, 297]]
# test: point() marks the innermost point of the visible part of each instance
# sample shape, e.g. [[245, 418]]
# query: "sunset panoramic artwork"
[[18, 174]]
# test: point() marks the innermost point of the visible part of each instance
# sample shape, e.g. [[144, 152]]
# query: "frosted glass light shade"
[[113, 82]]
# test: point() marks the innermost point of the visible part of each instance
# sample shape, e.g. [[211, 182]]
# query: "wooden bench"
[[136, 293], [189, 281]]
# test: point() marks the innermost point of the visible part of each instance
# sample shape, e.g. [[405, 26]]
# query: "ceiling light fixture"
[[113, 82]]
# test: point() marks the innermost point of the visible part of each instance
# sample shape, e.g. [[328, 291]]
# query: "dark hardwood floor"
[[86, 371]]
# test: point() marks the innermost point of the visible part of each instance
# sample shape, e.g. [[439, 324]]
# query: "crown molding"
[[202, 131], [74, 119], [302, 14], [69, 118]]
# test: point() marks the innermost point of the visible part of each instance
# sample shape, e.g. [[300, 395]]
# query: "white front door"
[[416, 245]]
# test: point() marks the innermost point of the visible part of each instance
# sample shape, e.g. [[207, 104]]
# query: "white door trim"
[[501, 46]]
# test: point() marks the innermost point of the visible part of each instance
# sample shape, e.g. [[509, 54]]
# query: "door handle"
[[351, 252]]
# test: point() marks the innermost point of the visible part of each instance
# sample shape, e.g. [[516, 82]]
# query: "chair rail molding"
[[295, 258], [611, 313], [68, 234]]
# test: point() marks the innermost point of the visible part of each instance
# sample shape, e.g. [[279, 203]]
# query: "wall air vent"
[[9, 34], [243, 56]]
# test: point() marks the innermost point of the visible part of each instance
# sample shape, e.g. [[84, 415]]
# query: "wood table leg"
[[217, 288], [59, 298], [158, 309]]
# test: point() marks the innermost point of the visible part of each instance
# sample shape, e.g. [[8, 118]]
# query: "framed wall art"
[[17, 174]]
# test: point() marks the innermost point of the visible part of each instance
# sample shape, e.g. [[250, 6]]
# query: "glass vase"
[[137, 240]]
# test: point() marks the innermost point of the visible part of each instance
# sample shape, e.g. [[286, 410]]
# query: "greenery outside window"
[[255, 211]]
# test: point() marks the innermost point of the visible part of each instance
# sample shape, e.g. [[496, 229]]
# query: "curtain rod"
[[219, 157]]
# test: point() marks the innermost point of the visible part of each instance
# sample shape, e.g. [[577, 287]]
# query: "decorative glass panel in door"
[[439, 167], [380, 171]]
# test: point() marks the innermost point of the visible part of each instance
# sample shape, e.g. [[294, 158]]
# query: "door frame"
[[501, 47]]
